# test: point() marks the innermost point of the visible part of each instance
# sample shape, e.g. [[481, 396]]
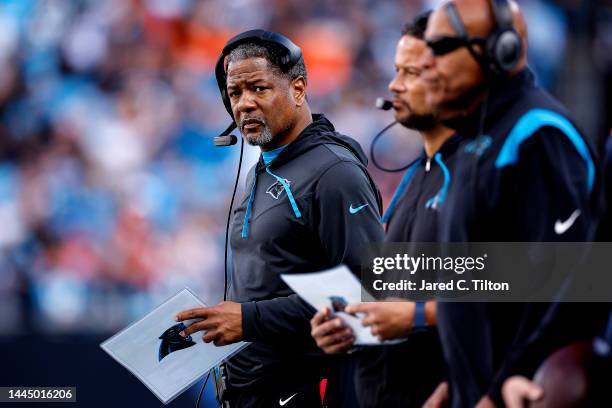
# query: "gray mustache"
[[243, 120]]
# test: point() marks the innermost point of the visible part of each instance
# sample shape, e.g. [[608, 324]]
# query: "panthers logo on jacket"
[[276, 189]]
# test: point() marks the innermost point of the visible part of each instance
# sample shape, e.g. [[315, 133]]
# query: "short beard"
[[419, 122], [264, 138]]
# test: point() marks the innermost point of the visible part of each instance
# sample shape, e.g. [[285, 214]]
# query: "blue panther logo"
[[478, 146], [172, 341]]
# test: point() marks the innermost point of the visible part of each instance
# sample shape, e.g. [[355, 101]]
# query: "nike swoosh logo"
[[356, 210], [282, 403], [561, 227]]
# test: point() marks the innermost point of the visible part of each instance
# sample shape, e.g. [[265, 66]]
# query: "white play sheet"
[[137, 347]]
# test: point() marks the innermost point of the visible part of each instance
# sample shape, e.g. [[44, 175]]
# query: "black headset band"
[[253, 36], [494, 58], [455, 19], [293, 54], [457, 23], [502, 14]]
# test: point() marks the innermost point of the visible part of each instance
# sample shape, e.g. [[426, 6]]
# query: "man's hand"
[[439, 398], [331, 335], [222, 323], [518, 389], [485, 402], [388, 320]]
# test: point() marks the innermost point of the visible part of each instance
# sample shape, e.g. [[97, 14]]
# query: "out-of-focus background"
[[112, 196]]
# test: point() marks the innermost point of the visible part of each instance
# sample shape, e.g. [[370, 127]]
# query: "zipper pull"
[[428, 164]]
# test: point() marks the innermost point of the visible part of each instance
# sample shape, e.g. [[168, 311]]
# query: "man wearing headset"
[[382, 378], [591, 370], [310, 205], [529, 175]]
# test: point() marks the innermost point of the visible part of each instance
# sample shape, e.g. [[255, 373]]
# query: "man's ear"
[[298, 89]]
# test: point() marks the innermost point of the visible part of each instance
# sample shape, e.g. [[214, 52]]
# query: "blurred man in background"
[[575, 375], [311, 204], [405, 374], [533, 178]]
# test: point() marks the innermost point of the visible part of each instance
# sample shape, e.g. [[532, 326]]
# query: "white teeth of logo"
[[562, 226]]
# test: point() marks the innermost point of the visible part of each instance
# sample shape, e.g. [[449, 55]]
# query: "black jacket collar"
[[320, 131]]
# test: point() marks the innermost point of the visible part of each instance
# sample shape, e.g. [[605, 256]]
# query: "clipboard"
[[139, 349]]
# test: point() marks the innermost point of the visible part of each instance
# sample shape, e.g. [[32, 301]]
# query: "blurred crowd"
[[112, 195]]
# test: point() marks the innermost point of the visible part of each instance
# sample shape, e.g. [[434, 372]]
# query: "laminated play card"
[[153, 350]]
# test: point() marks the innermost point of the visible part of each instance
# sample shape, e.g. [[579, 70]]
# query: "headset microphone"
[[226, 138], [383, 104]]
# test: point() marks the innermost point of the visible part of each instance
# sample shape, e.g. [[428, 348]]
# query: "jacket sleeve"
[[342, 187], [552, 187], [274, 320], [347, 214]]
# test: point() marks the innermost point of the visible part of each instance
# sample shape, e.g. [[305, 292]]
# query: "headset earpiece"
[[504, 51], [504, 46]]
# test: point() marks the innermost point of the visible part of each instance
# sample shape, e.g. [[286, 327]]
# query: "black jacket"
[[412, 215], [405, 374], [310, 209], [528, 167], [605, 226]]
